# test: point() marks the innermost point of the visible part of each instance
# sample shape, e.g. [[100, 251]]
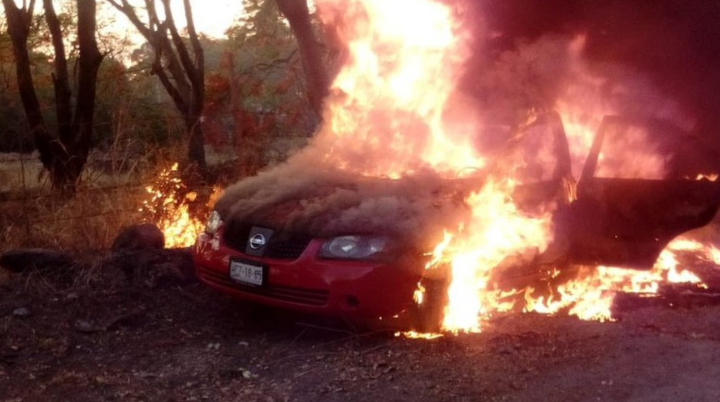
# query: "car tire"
[[427, 317]]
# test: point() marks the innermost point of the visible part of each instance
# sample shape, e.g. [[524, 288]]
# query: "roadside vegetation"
[[255, 109]]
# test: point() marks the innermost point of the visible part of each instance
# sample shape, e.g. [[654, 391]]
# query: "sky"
[[212, 17]]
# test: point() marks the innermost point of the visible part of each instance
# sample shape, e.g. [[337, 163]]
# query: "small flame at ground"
[[590, 297], [168, 208], [418, 335]]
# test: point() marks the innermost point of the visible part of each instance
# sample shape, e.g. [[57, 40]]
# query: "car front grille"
[[311, 297], [281, 245]]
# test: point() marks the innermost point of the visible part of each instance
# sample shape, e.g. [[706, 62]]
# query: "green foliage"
[[14, 135], [260, 73], [132, 108], [254, 86], [260, 22]]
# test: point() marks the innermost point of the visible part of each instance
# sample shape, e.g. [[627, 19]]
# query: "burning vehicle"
[[414, 200], [346, 245]]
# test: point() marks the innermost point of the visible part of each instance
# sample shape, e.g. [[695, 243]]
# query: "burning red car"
[[409, 198], [303, 240], [324, 241]]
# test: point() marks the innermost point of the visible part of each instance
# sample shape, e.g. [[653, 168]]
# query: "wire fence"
[[111, 194], [36, 216]]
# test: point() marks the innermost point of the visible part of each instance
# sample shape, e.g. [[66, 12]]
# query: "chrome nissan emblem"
[[257, 241]]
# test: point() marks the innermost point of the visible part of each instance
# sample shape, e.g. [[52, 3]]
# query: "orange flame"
[[389, 98], [497, 231], [169, 213], [713, 254], [418, 335], [591, 295]]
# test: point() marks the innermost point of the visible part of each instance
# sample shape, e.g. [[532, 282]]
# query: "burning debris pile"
[[461, 182]]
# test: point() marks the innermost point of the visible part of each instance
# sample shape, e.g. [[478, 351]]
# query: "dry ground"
[[88, 336]]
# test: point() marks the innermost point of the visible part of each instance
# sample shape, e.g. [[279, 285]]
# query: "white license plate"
[[247, 274]]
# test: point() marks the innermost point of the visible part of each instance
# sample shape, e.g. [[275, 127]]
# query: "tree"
[[63, 153], [179, 67], [298, 16], [257, 99]]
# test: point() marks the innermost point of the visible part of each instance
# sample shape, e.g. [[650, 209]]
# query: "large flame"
[[403, 62], [394, 109], [497, 230], [391, 101]]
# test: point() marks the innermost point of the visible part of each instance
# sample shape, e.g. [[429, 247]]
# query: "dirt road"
[[71, 343]]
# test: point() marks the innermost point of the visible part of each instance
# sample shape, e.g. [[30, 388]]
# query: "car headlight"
[[353, 247], [213, 223]]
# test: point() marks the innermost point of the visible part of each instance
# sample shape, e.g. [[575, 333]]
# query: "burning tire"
[[427, 316]]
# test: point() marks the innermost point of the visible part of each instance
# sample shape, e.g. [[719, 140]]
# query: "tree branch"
[[199, 77], [182, 51], [61, 79], [298, 16], [181, 76], [129, 12], [155, 33]]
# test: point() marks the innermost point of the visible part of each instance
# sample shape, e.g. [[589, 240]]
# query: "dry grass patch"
[[20, 172], [108, 198], [87, 222]]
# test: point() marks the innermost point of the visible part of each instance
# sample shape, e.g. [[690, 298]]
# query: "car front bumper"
[[351, 289]]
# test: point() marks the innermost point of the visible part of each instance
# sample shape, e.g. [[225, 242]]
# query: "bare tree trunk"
[[298, 15], [61, 77], [196, 144], [89, 65]]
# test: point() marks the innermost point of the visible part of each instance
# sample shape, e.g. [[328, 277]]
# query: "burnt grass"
[[94, 336]]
